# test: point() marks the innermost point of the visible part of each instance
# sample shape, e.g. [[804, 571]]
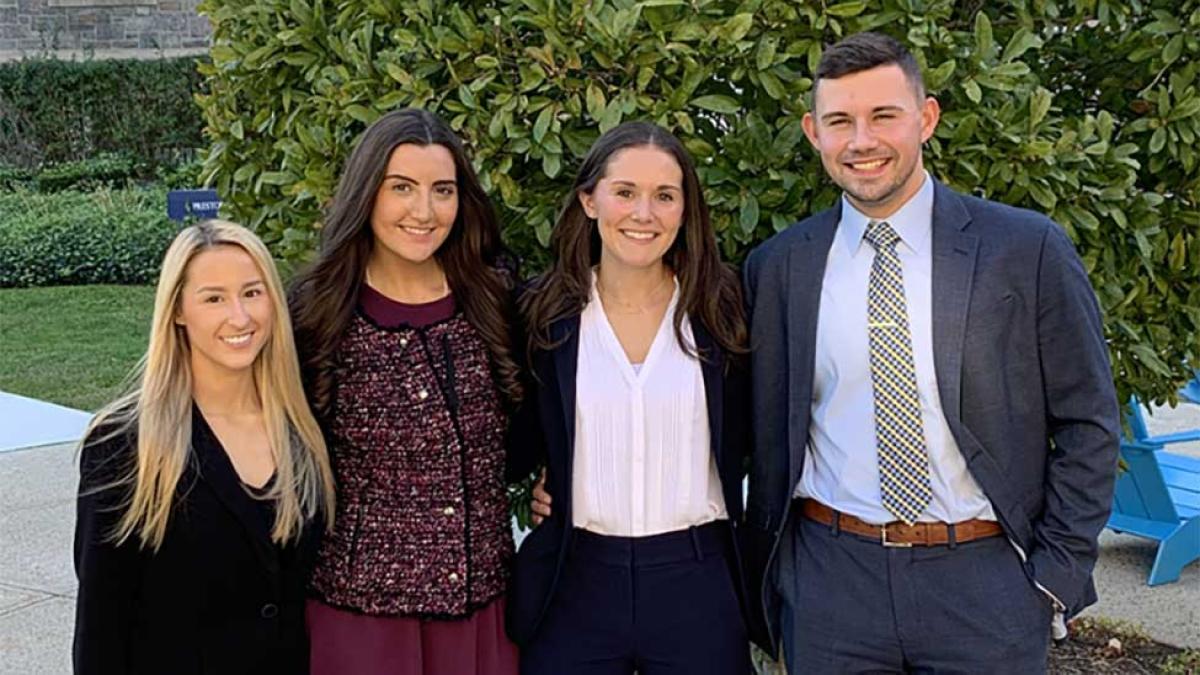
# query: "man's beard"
[[887, 194]]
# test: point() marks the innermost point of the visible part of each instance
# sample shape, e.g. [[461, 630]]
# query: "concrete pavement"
[[28, 423], [37, 582]]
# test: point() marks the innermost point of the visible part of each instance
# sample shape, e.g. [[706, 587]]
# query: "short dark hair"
[[863, 51]]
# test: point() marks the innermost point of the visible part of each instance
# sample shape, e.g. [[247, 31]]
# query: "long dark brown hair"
[[708, 288], [478, 268]]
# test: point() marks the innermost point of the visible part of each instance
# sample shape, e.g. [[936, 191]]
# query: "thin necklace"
[[628, 308]]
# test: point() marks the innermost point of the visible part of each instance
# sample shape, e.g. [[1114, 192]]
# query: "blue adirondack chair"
[[1158, 495], [1191, 391]]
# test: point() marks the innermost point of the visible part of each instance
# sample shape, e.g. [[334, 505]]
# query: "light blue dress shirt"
[[841, 467]]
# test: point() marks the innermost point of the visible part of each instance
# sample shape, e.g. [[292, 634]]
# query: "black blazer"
[[217, 597], [543, 433]]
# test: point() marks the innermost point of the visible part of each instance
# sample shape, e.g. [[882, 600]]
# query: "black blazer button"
[[269, 611]]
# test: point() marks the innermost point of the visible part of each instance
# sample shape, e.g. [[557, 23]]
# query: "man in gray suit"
[[936, 425]]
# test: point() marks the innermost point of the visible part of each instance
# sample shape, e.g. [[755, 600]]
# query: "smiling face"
[[638, 206], [224, 310], [415, 205], [868, 128]]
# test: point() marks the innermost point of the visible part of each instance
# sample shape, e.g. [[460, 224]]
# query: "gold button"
[[422, 394], [449, 510], [454, 576]]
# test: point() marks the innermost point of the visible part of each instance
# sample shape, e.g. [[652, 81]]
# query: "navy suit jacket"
[[1023, 377], [543, 433]]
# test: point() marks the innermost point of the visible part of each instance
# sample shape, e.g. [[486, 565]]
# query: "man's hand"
[[540, 504]]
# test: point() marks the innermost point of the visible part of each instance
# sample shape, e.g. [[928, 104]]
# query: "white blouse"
[[643, 461]]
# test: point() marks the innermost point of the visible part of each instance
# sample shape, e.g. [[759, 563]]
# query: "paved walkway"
[[37, 583], [28, 423]]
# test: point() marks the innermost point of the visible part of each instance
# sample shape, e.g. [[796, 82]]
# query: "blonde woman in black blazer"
[[203, 490]]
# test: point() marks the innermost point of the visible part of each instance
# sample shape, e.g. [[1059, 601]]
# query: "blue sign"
[[182, 204]]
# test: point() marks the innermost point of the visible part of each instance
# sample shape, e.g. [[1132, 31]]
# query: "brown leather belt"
[[897, 533]]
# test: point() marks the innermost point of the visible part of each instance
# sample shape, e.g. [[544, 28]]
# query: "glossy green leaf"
[[844, 9], [1039, 105], [984, 41], [717, 103]]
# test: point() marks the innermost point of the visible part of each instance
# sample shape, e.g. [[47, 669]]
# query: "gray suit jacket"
[[1023, 375]]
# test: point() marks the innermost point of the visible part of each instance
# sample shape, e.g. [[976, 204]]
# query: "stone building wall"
[[129, 27]]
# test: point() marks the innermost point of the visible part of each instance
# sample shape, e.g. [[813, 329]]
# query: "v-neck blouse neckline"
[[635, 374]]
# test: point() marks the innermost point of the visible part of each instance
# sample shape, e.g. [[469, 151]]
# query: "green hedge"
[[106, 170], [1087, 110], [103, 171], [103, 237], [15, 178], [54, 111]]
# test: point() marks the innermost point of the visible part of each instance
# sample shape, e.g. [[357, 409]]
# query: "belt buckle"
[[883, 539]]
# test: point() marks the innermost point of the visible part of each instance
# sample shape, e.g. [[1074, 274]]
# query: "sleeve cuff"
[[1058, 624], [1058, 605]]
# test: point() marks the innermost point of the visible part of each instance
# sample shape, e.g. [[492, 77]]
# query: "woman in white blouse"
[[637, 411]]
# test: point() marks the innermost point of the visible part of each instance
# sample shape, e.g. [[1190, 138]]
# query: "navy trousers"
[[657, 605], [859, 607]]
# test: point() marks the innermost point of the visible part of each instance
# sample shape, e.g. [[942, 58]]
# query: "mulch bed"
[[1101, 646], [1090, 650]]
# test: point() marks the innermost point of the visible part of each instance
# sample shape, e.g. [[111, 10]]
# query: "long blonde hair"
[[159, 404]]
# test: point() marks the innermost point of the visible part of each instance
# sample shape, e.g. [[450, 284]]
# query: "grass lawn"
[[72, 345]]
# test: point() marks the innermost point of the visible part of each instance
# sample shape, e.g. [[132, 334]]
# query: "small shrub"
[[107, 170], [14, 177], [70, 237], [182, 176], [1183, 663]]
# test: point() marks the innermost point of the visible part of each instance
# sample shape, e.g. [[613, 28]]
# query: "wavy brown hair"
[[708, 288], [478, 268]]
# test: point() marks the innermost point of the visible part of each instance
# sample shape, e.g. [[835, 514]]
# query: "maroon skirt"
[[345, 643]]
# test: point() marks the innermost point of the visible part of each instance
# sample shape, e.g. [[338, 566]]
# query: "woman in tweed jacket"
[[403, 322]]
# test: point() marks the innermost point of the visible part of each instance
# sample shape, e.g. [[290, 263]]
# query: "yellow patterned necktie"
[[900, 438]]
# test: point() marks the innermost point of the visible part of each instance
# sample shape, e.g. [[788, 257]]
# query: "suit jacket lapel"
[[217, 471], [954, 254], [806, 270], [712, 364]]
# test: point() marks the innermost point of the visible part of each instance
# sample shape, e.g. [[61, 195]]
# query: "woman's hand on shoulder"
[[540, 503]]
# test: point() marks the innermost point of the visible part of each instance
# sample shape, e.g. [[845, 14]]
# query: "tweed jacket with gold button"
[[416, 434]]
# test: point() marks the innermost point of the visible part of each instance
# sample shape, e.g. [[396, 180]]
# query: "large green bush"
[[103, 237], [54, 111], [1086, 110]]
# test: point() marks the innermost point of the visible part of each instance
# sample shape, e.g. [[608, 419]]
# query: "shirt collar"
[[913, 221]]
